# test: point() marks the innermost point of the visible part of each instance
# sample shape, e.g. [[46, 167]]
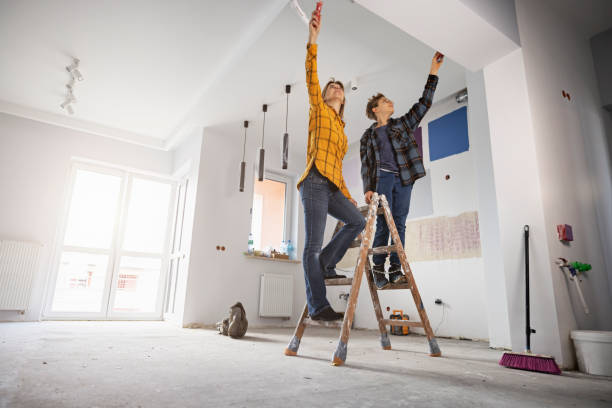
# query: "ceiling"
[[155, 68]]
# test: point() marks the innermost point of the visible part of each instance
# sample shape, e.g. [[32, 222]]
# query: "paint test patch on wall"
[[448, 135], [439, 238]]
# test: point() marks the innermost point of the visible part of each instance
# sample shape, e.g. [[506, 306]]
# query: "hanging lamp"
[[262, 152], [243, 164], [285, 149]]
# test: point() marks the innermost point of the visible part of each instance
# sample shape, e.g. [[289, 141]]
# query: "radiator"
[[276, 295], [18, 264]]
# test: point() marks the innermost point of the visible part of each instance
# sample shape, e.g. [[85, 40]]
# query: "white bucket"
[[593, 351]]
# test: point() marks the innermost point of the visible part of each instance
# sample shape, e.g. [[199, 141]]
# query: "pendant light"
[[262, 152], [243, 164], [285, 149]]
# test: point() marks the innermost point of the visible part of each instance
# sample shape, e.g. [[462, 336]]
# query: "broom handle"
[[527, 322]]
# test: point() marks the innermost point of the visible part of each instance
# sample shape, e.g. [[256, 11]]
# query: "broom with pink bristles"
[[527, 360]]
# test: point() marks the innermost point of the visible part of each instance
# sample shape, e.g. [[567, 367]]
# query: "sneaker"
[[395, 274], [327, 315], [378, 273]]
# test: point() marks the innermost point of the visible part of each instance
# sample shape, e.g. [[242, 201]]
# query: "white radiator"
[[18, 264], [276, 295]]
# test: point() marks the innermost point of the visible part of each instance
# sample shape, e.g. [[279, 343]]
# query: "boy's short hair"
[[373, 103]]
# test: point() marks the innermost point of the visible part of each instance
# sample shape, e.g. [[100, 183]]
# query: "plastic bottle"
[[290, 250], [283, 247], [250, 249]]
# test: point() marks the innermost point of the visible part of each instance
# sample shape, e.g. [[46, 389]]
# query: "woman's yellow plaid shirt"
[[327, 143]]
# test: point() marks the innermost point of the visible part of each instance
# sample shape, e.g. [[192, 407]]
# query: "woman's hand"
[[437, 60], [353, 201], [368, 197], [314, 27]]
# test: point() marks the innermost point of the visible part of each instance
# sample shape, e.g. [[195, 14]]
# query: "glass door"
[[85, 264], [137, 288]]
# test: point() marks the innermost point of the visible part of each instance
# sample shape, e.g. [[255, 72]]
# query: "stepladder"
[[378, 206]]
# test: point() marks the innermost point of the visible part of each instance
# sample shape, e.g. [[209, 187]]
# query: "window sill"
[[265, 258]]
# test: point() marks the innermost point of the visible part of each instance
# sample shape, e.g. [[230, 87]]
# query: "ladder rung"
[[364, 210], [338, 282], [403, 323], [382, 250], [394, 286]]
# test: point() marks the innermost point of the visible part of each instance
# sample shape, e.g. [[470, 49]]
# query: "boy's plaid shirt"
[[401, 134], [327, 143]]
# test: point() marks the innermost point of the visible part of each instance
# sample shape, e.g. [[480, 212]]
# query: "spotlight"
[[74, 69], [354, 84], [461, 96]]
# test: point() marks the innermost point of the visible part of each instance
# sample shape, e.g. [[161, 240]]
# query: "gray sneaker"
[[378, 273]]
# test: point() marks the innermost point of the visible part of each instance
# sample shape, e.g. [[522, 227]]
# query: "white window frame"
[[289, 194], [115, 252]]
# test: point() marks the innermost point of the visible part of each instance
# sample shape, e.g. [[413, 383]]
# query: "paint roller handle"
[[314, 25]]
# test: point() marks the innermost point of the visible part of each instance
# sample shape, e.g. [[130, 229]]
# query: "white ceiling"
[[155, 68]]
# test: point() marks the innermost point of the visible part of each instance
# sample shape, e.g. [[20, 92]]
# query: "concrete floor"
[[136, 364]]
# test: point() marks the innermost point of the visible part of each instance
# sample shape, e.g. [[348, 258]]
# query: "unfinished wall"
[[35, 162]]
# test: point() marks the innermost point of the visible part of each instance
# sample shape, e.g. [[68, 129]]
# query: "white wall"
[[572, 161], [519, 202], [186, 160], [35, 161], [488, 215], [217, 279], [458, 282]]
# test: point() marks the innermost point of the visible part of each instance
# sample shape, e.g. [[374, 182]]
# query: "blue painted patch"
[[448, 135]]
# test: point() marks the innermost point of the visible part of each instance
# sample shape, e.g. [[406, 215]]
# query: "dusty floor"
[[136, 364]]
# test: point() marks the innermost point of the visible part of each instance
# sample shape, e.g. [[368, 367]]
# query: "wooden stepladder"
[[364, 267]]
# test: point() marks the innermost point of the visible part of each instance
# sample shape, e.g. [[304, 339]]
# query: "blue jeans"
[[319, 199], [398, 197]]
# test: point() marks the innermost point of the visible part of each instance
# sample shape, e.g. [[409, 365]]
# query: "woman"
[[322, 187]]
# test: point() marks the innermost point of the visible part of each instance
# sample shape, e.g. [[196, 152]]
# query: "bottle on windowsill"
[[250, 248], [290, 250]]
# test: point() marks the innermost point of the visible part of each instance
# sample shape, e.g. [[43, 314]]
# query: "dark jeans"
[[319, 199], [398, 197]]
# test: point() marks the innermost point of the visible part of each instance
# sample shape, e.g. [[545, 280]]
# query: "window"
[[269, 213], [115, 245]]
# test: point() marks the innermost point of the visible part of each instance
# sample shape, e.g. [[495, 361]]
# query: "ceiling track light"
[[75, 75]]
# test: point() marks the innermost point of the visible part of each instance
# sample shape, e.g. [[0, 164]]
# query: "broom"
[[527, 360]]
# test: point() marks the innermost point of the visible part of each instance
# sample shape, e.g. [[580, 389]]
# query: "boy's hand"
[[437, 60], [314, 27], [368, 196]]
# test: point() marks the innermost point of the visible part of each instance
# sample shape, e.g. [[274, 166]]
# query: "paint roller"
[[303, 15]]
